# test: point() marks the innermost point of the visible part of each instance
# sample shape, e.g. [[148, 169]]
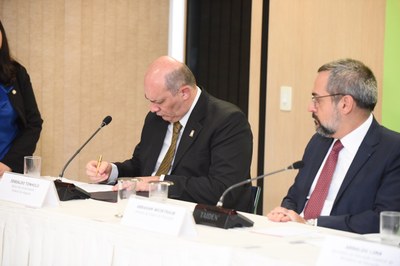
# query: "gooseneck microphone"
[[228, 218], [106, 121], [68, 191], [295, 165]]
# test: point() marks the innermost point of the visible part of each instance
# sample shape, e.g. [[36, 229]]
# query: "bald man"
[[214, 141]]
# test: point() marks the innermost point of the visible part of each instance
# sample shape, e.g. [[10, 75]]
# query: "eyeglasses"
[[315, 99]]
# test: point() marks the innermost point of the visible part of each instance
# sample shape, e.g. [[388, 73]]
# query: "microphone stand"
[[68, 191], [78, 151], [228, 218], [221, 199]]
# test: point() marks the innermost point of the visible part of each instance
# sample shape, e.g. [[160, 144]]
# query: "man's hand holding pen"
[[98, 164], [98, 171]]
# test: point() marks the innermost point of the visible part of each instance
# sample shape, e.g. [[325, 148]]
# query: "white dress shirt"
[[167, 142], [168, 136], [351, 142]]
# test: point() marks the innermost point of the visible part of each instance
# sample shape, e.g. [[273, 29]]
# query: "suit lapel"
[[158, 131], [322, 148], [192, 128], [366, 149], [189, 136], [15, 97]]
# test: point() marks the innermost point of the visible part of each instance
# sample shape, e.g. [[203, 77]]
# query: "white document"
[[159, 217], [30, 191], [89, 187], [345, 251]]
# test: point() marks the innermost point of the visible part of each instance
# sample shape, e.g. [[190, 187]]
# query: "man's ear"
[[185, 92], [347, 104]]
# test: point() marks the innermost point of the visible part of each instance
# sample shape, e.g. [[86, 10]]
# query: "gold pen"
[[98, 164]]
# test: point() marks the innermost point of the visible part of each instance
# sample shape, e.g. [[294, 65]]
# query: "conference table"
[[86, 232]]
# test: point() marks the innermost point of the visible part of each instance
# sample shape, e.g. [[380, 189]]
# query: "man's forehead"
[[321, 82], [155, 94]]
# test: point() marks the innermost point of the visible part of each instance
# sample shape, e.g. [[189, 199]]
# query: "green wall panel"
[[391, 75]]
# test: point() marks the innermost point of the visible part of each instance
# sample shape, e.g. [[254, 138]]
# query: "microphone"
[[68, 191], [228, 218], [105, 122], [295, 165]]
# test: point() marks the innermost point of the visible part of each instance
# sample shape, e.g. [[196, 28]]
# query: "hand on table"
[[4, 168], [280, 214]]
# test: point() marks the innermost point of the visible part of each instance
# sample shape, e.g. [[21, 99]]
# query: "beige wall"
[[86, 59], [303, 35]]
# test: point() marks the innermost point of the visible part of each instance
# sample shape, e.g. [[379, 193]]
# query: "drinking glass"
[[390, 227], [158, 190], [32, 165], [126, 188]]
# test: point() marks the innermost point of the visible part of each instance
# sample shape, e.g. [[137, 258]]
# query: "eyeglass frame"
[[314, 98]]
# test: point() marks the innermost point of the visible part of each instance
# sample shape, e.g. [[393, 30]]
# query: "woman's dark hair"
[[7, 63]]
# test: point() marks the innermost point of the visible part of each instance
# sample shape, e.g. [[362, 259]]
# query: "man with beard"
[[352, 164]]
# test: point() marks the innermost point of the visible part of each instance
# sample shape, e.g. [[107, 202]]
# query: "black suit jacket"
[[371, 185], [215, 156], [30, 121]]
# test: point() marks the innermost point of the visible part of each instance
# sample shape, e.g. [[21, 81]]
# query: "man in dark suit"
[[214, 144], [366, 176]]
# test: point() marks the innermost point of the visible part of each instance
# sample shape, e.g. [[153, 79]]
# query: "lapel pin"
[[14, 92], [191, 133]]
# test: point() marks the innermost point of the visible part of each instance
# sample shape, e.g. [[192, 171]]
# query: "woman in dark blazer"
[[21, 122]]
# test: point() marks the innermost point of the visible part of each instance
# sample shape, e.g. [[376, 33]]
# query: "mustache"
[[315, 117]]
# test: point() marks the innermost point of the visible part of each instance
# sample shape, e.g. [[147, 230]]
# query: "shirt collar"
[[352, 141], [185, 118]]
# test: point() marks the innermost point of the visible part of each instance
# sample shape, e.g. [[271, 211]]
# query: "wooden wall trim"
[[303, 35]]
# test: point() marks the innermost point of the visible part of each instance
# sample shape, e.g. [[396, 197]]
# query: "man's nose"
[[311, 108], [154, 108]]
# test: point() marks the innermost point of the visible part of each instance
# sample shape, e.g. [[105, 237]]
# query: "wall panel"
[[87, 59], [303, 35]]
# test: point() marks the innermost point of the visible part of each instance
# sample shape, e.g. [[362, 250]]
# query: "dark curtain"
[[218, 53], [263, 99], [218, 47]]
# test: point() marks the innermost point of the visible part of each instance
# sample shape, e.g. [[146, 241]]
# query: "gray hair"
[[178, 78], [352, 77]]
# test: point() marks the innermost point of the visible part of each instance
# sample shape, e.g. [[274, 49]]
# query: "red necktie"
[[317, 199]]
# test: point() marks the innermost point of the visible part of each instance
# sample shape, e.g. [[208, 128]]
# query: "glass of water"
[[126, 188], [32, 166]]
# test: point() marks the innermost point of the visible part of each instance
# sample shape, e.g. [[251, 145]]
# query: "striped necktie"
[[169, 156]]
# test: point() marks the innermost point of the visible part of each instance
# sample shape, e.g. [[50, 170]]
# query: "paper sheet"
[[89, 187]]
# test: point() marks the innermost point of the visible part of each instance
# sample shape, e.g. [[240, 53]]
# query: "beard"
[[323, 130]]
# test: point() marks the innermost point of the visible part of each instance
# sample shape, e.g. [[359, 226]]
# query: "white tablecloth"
[[85, 232]]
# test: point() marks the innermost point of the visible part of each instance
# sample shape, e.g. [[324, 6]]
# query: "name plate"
[[351, 252], [158, 217], [29, 191]]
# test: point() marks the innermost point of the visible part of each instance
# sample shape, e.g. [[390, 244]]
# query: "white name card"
[[159, 217], [30, 191], [351, 252]]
